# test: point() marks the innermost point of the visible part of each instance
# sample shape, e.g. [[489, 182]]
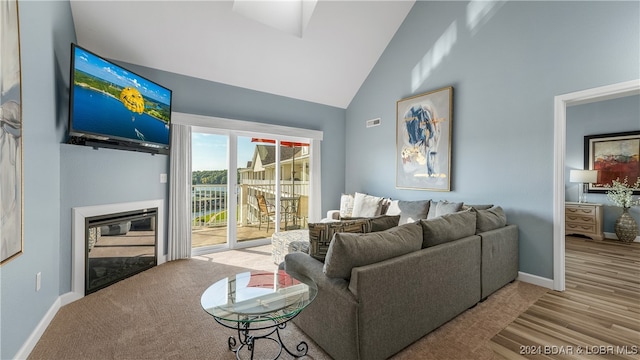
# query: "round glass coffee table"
[[258, 304]]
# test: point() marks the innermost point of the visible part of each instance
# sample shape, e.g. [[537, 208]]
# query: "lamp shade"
[[583, 176]]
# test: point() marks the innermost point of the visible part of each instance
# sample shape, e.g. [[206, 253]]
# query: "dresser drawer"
[[582, 228], [579, 219], [583, 211]]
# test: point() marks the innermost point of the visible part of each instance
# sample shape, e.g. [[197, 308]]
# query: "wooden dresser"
[[584, 218]]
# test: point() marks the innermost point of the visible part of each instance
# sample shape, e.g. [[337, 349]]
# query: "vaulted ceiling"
[[325, 60]]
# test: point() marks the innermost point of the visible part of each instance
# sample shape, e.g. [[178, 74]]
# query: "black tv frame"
[[97, 140]]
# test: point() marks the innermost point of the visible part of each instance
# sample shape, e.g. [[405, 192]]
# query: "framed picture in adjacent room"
[[11, 184], [423, 141], [616, 156]]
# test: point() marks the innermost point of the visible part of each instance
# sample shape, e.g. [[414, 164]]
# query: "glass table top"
[[258, 296]]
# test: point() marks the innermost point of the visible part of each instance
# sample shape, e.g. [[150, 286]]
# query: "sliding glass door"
[[246, 187], [209, 189]]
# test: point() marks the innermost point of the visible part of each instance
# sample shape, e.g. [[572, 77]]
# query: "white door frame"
[[560, 103], [234, 128]]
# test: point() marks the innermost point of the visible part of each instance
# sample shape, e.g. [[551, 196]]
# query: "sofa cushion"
[[379, 223], [443, 207], [448, 227], [321, 234], [490, 219], [409, 211], [346, 205], [366, 205], [347, 251]]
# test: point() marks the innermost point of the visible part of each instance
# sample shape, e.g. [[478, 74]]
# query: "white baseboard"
[[68, 298], [535, 280], [35, 336], [61, 301]]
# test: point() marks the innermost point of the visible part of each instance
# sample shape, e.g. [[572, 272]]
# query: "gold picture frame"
[[423, 141], [11, 177]]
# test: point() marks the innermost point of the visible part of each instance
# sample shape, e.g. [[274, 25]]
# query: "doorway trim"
[[234, 128], [560, 104]]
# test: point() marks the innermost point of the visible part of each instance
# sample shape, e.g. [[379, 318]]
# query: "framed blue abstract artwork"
[[423, 141]]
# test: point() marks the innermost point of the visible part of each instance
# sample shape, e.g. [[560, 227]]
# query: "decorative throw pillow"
[[366, 205], [443, 207], [490, 219], [448, 227], [352, 250], [379, 223], [346, 205], [409, 211], [384, 206], [321, 234]]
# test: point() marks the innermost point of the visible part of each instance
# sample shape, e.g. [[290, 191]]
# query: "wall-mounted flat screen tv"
[[110, 106]]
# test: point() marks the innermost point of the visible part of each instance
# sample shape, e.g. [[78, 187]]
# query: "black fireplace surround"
[[119, 246]]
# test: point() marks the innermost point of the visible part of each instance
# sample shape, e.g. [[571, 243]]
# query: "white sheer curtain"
[[180, 193]]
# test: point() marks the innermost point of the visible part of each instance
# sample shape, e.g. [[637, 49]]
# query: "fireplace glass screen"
[[118, 246]]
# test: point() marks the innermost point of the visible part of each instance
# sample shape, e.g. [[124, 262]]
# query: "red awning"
[[283, 143]]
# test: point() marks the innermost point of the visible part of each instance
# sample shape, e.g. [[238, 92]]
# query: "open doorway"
[[561, 102]]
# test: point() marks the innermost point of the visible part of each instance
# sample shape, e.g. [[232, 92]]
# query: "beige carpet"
[[157, 315]]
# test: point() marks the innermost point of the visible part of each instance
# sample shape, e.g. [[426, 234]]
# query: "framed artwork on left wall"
[[11, 183], [423, 141]]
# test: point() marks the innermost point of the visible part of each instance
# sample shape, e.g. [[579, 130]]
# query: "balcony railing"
[[209, 202]]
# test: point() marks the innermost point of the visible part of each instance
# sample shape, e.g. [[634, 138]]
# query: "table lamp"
[[584, 177]]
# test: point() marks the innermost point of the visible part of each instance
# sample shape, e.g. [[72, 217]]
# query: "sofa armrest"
[[304, 264], [499, 258], [331, 319], [333, 215]]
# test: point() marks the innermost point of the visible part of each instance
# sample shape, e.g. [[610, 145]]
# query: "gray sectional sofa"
[[379, 292]]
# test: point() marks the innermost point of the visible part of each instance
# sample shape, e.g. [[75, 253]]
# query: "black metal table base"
[[248, 340]]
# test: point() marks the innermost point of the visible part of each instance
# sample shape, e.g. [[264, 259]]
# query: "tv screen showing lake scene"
[[110, 101]]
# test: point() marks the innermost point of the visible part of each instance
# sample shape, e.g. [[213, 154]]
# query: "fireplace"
[[114, 241], [118, 246]]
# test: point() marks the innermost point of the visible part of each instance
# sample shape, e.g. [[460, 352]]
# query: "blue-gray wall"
[[46, 30], [602, 117], [505, 72]]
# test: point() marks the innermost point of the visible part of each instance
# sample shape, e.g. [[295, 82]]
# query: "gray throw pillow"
[[409, 211], [352, 250], [448, 228], [321, 234], [443, 207], [477, 207], [379, 223], [383, 222], [490, 219]]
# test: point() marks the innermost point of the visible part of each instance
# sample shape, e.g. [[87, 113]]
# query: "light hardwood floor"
[[598, 316]]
